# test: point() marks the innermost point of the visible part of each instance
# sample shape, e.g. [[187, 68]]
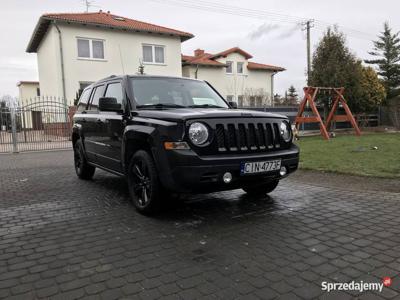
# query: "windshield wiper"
[[205, 106], [161, 105]]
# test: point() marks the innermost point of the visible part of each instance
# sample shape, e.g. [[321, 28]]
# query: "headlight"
[[286, 132], [198, 133]]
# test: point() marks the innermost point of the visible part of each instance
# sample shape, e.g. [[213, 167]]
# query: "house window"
[[229, 67], [240, 68], [98, 49], [90, 48], [84, 84], [153, 54], [38, 92], [229, 97]]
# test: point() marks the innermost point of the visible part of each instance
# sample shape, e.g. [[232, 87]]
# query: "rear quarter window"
[[83, 100]]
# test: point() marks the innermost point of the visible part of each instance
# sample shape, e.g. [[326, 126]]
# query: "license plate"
[[260, 167]]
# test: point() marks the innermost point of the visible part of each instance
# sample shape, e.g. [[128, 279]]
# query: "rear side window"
[[84, 99], [114, 90], [97, 94]]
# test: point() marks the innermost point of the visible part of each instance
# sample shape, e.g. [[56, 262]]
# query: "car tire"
[[144, 184], [263, 189], [82, 167]]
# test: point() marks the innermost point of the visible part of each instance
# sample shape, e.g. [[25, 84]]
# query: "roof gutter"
[[61, 62]]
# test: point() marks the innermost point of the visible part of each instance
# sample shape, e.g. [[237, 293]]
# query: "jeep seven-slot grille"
[[247, 136]]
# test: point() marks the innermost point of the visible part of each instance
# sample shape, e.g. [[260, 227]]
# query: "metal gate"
[[42, 123]]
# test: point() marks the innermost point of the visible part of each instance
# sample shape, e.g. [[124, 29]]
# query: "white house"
[[233, 75], [76, 49], [28, 90]]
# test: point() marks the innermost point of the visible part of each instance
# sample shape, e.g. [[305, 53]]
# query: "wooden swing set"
[[310, 95]]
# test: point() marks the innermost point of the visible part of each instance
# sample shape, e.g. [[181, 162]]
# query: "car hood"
[[203, 113]]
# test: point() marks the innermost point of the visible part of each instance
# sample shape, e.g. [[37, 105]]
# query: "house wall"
[[251, 81], [48, 57], [27, 97], [27, 91], [122, 51]]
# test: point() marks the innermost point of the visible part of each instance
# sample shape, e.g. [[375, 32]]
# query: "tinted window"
[[98, 92], [83, 100], [115, 90]]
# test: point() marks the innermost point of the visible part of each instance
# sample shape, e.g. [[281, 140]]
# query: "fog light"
[[227, 177], [283, 171]]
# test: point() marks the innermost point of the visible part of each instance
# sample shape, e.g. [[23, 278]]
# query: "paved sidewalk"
[[63, 238]]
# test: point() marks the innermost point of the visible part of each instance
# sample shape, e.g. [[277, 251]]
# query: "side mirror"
[[109, 104], [233, 104]]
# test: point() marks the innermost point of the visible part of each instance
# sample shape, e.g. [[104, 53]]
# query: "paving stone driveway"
[[63, 238]]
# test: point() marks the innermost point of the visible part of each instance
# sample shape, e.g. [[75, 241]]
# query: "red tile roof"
[[102, 19], [256, 66], [233, 50], [201, 60], [208, 59]]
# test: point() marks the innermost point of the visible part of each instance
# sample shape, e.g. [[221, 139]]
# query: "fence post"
[[14, 130]]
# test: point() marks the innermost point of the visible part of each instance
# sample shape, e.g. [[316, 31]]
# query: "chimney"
[[198, 52]]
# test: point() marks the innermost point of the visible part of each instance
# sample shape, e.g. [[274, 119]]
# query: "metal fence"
[[41, 123], [44, 123]]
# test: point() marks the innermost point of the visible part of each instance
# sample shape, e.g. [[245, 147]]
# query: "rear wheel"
[[143, 182], [261, 189], [82, 168]]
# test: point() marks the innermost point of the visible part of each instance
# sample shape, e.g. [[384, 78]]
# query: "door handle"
[[83, 120], [99, 121]]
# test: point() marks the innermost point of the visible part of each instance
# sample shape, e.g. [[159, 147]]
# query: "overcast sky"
[[270, 40]]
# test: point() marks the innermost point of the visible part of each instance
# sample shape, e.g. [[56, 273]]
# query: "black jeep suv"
[[168, 134]]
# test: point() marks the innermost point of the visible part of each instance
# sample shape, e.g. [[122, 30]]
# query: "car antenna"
[[122, 61]]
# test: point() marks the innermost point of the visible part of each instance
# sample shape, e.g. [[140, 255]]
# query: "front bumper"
[[185, 171]]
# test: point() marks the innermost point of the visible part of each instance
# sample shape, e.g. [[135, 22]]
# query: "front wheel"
[[143, 182], [82, 168], [261, 189]]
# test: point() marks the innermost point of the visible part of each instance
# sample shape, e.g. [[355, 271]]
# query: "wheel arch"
[[136, 137]]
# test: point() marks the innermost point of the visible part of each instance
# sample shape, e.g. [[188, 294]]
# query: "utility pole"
[[307, 25]]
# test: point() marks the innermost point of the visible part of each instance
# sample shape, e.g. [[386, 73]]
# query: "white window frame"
[[226, 70], [153, 53], [91, 48]]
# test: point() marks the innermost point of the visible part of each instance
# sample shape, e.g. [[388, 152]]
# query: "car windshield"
[[159, 93]]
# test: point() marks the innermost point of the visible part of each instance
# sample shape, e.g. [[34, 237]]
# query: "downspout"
[[62, 63], [272, 88], [195, 72]]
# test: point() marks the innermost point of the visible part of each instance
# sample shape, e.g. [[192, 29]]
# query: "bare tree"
[[7, 100], [256, 97]]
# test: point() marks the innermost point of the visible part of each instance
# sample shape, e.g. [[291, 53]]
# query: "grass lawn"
[[353, 155]]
